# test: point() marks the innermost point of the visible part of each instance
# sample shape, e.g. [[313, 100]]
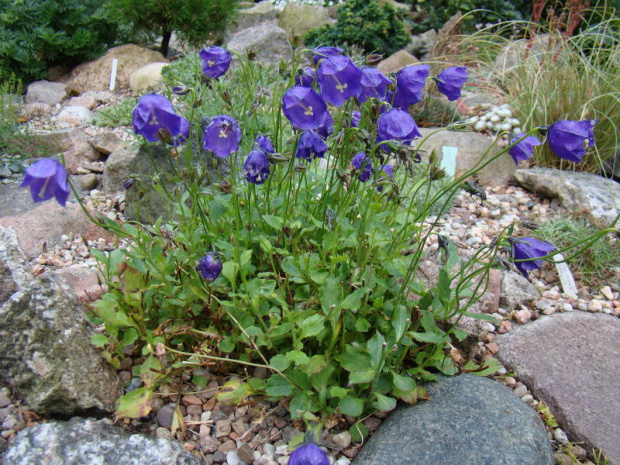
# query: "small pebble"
[[521, 390], [560, 436]]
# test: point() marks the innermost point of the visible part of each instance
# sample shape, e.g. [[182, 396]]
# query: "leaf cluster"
[[38, 34], [365, 24]]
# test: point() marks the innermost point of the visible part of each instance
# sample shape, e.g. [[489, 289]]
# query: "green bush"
[[195, 21], [365, 24], [38, 34]]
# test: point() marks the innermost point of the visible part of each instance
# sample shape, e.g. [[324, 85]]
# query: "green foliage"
[[363, 23], [595, 264], [575, 77], [195, 21], [38, 34], [434, 14], [116, 115]]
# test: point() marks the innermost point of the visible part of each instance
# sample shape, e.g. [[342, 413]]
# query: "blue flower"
[[215, 61], [264, 143], [47, 178], [397, 125], [308, 454], [339, 79], [304, 108], [320, 53], [410, 82], [571, 139], [304, 77], [154, 119], [362, 163], [256, 167], [209, 266], [524, 149], [222, 136], [451, 80], [310, 146], [529, 248], [374, 84]]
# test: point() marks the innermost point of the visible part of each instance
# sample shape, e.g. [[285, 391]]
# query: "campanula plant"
[[302, 256]]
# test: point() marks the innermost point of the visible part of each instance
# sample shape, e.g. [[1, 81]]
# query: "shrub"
[[195, 21], [365, 24], [38, 34]]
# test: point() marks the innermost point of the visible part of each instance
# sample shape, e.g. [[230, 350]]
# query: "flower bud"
[[373, 59], [295, 40]]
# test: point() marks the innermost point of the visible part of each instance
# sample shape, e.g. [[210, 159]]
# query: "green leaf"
[[265, 244], [433, 338], [274, 221], [355, 359], [362, 377], [408, 396], [404, 383], [459, 334], [149, 371], [245, 257], [352, 406], [337, 391], [354, 300], [358, 431], [234, 392], [277, 386], [200, 381], [280, 362], [227, 345], [312, 326], [107, 309], [135, 404], [330, 295], [375, 349], [315, 365], [384, 403], [99, 340], [130, 336], [230, 270], [399, 321], [362, 325], [289, 266], [490, 366], [297, 357]]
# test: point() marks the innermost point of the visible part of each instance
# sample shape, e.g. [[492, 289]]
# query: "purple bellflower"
[[451, 80], [374, 84], [222, 136], [571, 139], [215, 61], [264, 143], [525, 248], [398, 125], [304, 77], [304, 108], [320, 53], [363, 163], [327, 128], [339, 79], [310, 146], [209, 266], [524, 149], [355, 119], [154, 119], [410, 82], [256, 167], [308, 454], [47, 178]]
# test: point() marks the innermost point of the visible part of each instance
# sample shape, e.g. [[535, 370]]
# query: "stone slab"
[[572, 362]]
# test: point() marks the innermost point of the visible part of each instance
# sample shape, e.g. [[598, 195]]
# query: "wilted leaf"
[[135, 404]]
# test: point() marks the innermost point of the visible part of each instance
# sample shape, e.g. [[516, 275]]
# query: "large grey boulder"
[[81, 441], [46, 356], [473, 149], [582, 193], [147, 77], [71, 142], [46, 92], [268, 41], [249, 17], [117, 168], [572, 362], [75, 116], [298, 18], [468, 420]]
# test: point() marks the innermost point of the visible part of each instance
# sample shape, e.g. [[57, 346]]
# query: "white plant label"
[[448, 160], [566, 277], [113, 73]]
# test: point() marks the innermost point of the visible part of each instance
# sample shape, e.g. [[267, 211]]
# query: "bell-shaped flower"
[[47, 178], [304, 108], [328, 127], [339, 79], [310, 146], [154, 119], [374, 84], [256, 167], [354, 120], [410, 82], [524, 149], [320, 53], [451, 80], [308, 454], [209, 266], [215, 61], [529, 248], [264, 143], [304, 77], [363, 163], [571, 139], [397, 125], [222, 136]]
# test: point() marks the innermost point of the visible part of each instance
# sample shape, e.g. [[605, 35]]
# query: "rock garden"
[[295, 233]]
